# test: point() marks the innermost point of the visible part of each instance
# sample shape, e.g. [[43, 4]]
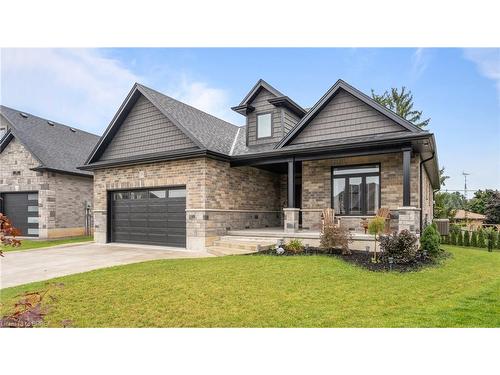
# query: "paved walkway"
[[21, 267]]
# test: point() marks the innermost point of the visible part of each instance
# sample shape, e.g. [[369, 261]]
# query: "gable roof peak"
[[54, 145], [205, 130], [325, 99]]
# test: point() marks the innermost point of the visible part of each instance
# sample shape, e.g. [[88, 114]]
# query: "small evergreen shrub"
[[473, 239], [466, 238], [480, 239], [496, 240], [489, 237], [460, 239], [430, 240], [294, 246], [336, 237], [453, 238], [401, 247]]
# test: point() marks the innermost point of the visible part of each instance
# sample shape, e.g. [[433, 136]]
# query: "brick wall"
[[60, 197], [218, 197]]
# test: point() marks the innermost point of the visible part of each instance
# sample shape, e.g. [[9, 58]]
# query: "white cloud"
[[84, 87], [200, 95], [487, 61], [79, 87], [419, 62]]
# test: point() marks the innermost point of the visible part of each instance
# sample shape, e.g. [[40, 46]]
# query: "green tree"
[[453, 238], [460, 240], [473, 239], [442, 177], [480, 200], [480, 239], [401, 102], [466, 238], [376, 227], [447, 203], [492, 209]]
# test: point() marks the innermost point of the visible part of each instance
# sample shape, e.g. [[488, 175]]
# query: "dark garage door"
[[22, 210], [154, 217]]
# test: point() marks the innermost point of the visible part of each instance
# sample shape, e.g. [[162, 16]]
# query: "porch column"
[[406, 176], [291, 213], [291, 184]]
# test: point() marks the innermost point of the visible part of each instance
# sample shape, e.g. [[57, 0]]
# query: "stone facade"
[[316, 187], [61, 197], [218, 197], [221, 198]]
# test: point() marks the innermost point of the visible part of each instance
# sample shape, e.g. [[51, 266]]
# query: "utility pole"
[[465, 174]]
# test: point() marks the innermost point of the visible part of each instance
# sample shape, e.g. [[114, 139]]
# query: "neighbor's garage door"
[[22, 210], [153, 217]]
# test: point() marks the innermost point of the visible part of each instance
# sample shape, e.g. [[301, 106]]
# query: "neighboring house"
[[41, 189], [169, 174], [471, 219]]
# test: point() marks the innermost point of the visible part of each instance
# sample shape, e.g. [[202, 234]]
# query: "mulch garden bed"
[[364, 259]]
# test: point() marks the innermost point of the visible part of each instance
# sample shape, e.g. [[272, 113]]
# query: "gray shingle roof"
[[241, 149], [213, 133], [56, 147]]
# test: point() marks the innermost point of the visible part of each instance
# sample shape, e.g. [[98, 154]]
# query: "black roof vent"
[[73, 130], [23, 114], [50, 123]]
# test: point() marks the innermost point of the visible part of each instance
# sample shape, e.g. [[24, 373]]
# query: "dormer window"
[[264, 125]]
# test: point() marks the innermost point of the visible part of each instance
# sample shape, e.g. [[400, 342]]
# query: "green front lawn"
[[269, 291], [35, 244]]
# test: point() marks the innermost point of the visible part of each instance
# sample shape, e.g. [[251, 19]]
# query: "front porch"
[[356, 185], [311, 238]]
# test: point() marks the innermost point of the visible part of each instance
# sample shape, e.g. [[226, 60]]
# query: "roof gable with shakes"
[[393, 122], [206, 132], [56, 146]]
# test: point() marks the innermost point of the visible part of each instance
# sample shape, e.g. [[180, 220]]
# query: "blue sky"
[[459, 89]]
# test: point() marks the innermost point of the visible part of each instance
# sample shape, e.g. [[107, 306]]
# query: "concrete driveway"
[[21, 267]]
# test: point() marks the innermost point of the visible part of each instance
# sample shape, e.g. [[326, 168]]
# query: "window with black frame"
[[356, 189]]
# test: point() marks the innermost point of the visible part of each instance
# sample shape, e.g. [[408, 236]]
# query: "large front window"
[[356, 190]]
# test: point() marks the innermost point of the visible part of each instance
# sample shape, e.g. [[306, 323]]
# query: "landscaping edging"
[[364, 259]]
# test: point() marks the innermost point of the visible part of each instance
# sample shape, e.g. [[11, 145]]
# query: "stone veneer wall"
[[427, 199], [316, 188], [218, 197], [61, 197]]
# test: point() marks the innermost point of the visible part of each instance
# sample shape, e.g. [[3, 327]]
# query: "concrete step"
[[249, 238], [244, 245], [223, 251]]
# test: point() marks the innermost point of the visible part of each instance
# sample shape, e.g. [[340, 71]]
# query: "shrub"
[[480, 239], [466, 238], [376, 227], [294, 246], [336, 237], [460, 239], [430, 240], [496, 240], [489, 236], [473, 239], [402, 247], [453, 238]]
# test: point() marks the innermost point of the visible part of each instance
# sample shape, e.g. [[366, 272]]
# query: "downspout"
[[421, 193]]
